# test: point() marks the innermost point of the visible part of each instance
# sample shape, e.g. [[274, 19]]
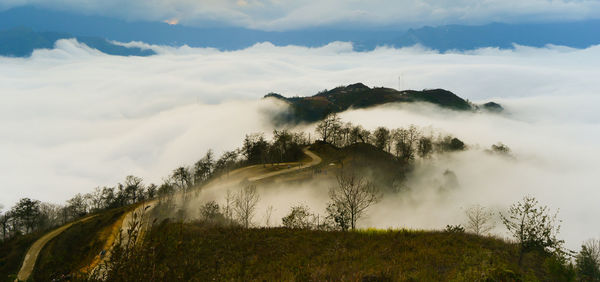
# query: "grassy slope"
[[193, 252], [12, 253], [75, 248]]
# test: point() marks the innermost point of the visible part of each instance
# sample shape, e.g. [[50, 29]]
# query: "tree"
[[108, 197], [94, 199], [151, 191], [353, 195], [134, 189], [255, 148], [500, 149], [203, 168], [328, 126], [77, 206], [405, 142], [382, 138], [227, 161], [479, 220], [210, 211], [26, 213], [425, 147], [358, 134], [50, 215], [181, 178], [5, 220], [228, 209], [244, 204], [299, 217], [532, 226], [338, 216], [588, 261], [451, 144]]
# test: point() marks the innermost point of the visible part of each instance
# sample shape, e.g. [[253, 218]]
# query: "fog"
[[72, 118]]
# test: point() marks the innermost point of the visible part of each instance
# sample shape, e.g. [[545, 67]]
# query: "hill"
[[358, 95], [200, 251], [209, 249], [21, 41]]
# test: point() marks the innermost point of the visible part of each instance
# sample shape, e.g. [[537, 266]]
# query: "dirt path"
[[315, 161], [35, 249], [125, 221]]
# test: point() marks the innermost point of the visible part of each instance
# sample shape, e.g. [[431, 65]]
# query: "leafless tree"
[[268, 214], [227, 210], [244, 204], [354, 194], [328, 127], [94, 199], [480, 220]]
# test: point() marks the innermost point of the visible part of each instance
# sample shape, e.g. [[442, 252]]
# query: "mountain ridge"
[[357, 95], [577, 34]]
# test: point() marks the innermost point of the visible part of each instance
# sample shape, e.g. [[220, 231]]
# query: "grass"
[[76, 247], [12, 253], [197, 252]]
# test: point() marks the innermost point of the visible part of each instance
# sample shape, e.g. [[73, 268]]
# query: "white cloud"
[[72, 118], [278, 15]]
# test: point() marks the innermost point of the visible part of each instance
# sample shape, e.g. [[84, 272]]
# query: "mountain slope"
[[315, 108]]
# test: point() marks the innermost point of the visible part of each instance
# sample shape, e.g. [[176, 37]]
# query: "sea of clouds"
[[72, 118]]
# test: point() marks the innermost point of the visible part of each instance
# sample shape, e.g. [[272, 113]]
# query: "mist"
[[73, 118]]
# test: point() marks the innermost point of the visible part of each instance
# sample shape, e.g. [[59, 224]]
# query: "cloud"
[[284, 15], [72, 118]]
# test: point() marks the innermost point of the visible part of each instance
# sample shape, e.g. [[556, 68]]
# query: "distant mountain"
[[315, 108], [459, 37], [21, 41], [216, 36], [443, 38]]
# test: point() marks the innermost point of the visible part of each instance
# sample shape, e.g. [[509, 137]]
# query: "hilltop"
[[316, 107], [199, 231]]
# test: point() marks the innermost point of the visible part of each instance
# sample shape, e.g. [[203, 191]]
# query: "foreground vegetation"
[[76, 247], [201, 251], [225, 244]]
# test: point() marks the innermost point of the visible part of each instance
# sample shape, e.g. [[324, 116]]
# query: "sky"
[[72, 119], [294, 14]]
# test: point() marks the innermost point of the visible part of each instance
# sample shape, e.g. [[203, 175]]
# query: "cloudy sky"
[[292, 14]]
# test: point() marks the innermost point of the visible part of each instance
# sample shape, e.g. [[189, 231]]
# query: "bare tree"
[[244, 204], [94, 199], [268, 214], [182, 178], [328, 126], [228, 209], [353, 194], [480, 220]]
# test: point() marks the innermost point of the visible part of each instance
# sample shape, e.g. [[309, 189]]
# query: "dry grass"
[[198, 252]]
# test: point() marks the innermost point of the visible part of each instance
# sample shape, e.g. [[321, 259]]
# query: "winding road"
[[34, 250]]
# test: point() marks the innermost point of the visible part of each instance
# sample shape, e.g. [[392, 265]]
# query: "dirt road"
[[35, 249], [125, 222], [298, 166]]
